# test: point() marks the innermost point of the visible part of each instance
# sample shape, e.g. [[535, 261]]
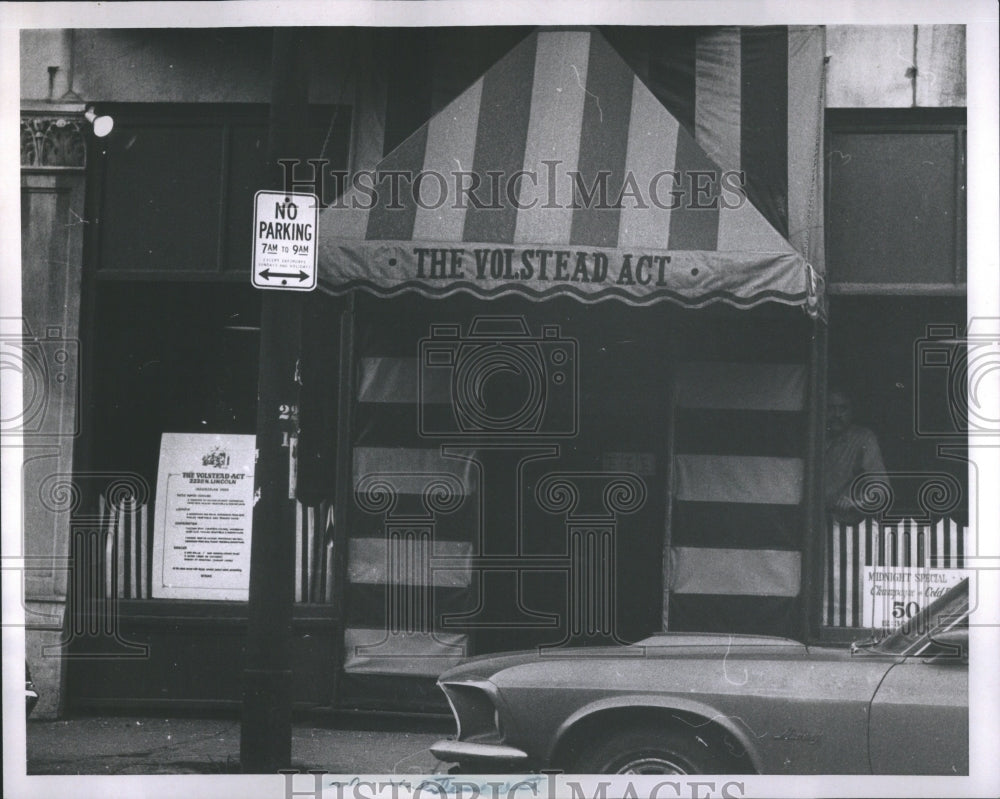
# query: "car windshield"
[[947, 611]]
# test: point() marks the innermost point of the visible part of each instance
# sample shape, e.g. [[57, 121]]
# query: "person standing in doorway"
[[851, 451]]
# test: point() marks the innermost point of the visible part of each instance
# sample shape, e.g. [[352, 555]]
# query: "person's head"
[[838, 410]]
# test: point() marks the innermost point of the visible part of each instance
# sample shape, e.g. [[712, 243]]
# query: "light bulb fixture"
[[102, 125]]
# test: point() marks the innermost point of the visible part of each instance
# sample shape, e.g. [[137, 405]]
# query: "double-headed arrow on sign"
[[267, 274]]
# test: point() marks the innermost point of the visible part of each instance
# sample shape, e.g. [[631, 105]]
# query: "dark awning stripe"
[[733, 614], [506, 95], [727, 525], [408, 607], [778, 434], [384, 220], [731, 385], [764, 124], [672, 52], [694, 224], [604, 143]]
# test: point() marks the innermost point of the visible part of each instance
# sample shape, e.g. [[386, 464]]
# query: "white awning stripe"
[[372, 651], [806, 82], [398, 381], [741, 386], [379, 561], [451, 143], [740, 230], [554, 129], [718, 111], [739, 478], [411, 471], [749, 572], [652, 149]]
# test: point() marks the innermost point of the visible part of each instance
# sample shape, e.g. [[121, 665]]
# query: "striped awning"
[[560, 173]]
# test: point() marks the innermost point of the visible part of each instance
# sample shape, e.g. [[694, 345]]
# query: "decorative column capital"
[[53, 139]]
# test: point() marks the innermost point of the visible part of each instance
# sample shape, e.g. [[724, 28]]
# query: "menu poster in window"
[[895, 594], [204, 510]]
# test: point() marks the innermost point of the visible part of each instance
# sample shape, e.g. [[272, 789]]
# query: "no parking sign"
[[284, 240]]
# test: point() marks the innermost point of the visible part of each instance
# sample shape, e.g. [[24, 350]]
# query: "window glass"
[[895, 204]]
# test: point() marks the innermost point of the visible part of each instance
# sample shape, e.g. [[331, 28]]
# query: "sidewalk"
[[156, 745]]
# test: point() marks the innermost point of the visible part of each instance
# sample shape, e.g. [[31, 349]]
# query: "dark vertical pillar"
[[668, 460], [266, 731], [344, 475], [814, 545]]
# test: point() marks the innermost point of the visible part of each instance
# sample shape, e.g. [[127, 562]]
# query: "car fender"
[[677, 703]]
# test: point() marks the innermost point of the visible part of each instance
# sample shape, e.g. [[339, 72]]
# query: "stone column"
[[44, 344]]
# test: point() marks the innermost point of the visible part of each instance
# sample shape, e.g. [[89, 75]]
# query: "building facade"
[[136, 265]]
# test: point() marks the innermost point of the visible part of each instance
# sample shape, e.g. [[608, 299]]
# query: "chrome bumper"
[[467, 751]]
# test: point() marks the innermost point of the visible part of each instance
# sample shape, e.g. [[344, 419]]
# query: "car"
[[30, 694], [703, 703]]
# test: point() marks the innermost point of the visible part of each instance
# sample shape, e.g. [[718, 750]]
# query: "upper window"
[[895, 207], [175, 185]]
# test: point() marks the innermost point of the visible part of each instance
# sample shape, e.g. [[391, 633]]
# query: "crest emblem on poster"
[[217, 458]]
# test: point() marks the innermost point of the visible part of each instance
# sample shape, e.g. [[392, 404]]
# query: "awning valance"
[[559, 173]]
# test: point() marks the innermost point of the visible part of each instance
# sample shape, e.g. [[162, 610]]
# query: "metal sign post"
[[266, 728]]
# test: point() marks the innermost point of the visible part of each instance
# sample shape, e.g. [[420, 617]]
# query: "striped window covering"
[[408, 559], [418, 654], [409, 562], [734, 564], [738, 479], [747, 572], [399, 586], [314, 551], [411, 470], [741, 386], [851, 548], [414, 516], [397, 380], [128, 551]]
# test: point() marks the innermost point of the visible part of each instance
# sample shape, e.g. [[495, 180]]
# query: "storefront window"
[[914, 515], [172, 340], [167, 358], [556, 431]]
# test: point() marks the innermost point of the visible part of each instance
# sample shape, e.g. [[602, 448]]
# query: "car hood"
[[661, 646]]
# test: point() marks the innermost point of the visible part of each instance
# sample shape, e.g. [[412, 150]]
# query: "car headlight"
[[475, 710]]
